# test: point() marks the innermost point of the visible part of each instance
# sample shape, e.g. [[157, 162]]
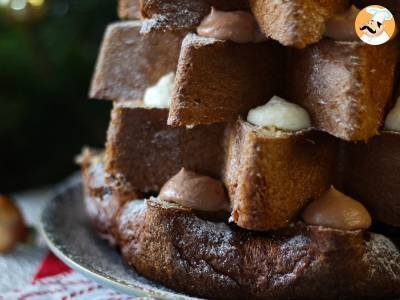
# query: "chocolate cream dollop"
[[341, 26], [235, 26], [195, 191], [336, 210]]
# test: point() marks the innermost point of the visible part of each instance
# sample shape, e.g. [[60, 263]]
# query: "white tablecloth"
[[18, 267]]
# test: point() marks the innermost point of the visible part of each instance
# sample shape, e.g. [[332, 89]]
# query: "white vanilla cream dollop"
[[160, 94], [393, 118], [281, 114]]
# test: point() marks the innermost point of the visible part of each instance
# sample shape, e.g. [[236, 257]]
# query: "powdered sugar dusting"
[[129, 104], [194, 39], [156, 22], [382, 255], [219, 232], [177, 15], [130, 210], [219, 238]]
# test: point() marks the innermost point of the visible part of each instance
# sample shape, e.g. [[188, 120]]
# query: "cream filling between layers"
[[336, 210], [280, 114], [160, 94], [195, 191], [235, 26], [392, 121]]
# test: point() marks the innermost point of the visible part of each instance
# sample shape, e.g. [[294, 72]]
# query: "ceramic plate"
[[69, 235]]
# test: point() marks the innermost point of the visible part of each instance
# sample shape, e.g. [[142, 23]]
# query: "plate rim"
[[136, 289]]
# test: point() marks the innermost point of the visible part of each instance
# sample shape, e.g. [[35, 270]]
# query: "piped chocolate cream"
[[195, 191], [235, 26], [336, 210], [341, 26]]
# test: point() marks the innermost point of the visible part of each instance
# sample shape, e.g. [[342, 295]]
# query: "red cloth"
[[51, 266], [55, 281]]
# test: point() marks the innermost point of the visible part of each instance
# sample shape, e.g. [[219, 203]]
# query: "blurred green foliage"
[[45, 69]]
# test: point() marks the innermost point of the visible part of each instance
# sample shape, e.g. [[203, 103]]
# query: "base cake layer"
[[174, 246], [103, 197]]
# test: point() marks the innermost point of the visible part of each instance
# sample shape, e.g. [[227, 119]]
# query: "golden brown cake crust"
[[270, 177], [103, 197], [129, 62], [372, 175], [184, 14], [295, 23], [218, 80], [146, 152], [172, 246], [345, 86], [177, 14], [129, 9]]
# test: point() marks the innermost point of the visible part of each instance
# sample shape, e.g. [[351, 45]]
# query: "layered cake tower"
[[253, 149]]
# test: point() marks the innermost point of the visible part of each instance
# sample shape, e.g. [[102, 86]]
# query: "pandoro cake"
[[252, 149]]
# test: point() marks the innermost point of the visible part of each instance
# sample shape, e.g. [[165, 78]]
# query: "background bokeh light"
[[48, 50]]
